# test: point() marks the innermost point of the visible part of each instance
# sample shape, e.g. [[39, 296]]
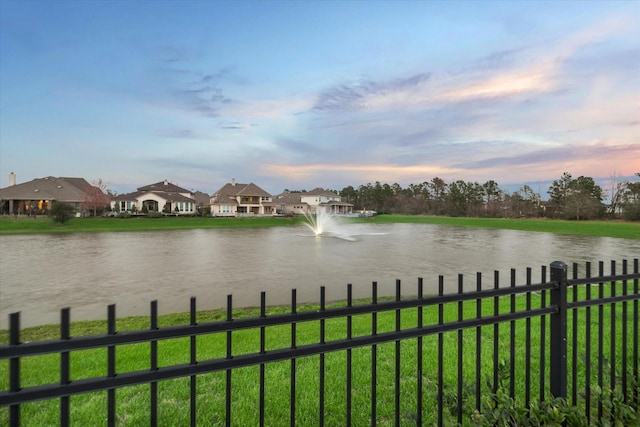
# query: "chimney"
[[233, 182], [12, 179], [166, 182]]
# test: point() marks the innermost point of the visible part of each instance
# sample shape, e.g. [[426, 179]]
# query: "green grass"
[[10, 225], [621, 229], [173, 395]]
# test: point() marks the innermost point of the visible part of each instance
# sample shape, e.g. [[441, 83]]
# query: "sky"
[[304, 94]]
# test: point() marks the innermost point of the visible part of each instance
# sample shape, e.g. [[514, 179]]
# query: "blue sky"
[[305, 94]]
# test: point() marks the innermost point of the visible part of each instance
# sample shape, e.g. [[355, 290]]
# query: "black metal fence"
[[385, 361]]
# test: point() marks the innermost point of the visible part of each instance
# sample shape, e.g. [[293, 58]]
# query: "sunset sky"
[[305, 94]]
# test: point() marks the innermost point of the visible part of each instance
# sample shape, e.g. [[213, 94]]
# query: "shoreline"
[[44, 225]]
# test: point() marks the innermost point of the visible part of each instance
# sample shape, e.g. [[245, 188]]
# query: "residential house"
[[235, 199], [36, 196], [162, 197], [311, 202]]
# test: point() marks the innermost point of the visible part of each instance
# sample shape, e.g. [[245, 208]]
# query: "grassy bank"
[[10, 225], [621, 229], [173, 395]]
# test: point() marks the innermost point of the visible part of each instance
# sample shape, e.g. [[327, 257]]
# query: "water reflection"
[[42, 273]]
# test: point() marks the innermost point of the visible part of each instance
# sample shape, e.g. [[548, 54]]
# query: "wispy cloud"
[[364, 93]]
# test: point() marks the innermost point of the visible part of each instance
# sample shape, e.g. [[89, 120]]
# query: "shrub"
[[61, 212]]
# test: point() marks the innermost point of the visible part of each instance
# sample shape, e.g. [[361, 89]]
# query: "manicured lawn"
[[10, 225], [622, 229]]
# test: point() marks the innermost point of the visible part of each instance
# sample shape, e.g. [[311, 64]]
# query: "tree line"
[[569, 198]]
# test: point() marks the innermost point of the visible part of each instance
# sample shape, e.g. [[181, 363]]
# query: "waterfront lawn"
[[621, 229], [173, 395], [26, 225]]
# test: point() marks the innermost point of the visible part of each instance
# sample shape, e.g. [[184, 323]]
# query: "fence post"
[[558, 344]]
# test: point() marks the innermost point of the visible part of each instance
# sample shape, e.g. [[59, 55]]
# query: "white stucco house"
[[311, 202], [163, 197]]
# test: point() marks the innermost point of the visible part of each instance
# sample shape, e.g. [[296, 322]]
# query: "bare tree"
[[96, 197], [617, 190]]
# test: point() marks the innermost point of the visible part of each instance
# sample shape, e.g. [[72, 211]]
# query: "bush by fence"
[[462, 358]]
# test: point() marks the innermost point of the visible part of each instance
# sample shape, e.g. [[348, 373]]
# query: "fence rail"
[[425, 341]]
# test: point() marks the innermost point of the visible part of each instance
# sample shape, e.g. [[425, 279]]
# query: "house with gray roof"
[[162, 197], [36, 196], [312, 202], [235, 199]]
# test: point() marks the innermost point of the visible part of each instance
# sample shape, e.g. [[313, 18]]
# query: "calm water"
[[40, 274]]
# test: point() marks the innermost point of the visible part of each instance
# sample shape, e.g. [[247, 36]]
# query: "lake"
[[40, 274]]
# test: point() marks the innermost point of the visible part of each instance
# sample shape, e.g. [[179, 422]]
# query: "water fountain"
[[325, 224]]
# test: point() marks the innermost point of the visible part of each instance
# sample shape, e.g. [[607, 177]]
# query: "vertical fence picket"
[[229, 356], [600, 337], [263, 350], [14, 368], [193, 361], [587, 348], [478, 343], [624, 335], [612, 334], [460, 351], [154, 365], [574, 342], [543, 335], [496, 332], [419, 357], [635, 333], [440, 354], [374, 355], [322, 357], [292, 397], [397, 357], [111, 366], [64, 365], [527, 344], [512, 339], [349, 355]]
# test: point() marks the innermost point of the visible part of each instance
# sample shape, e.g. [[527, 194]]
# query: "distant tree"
[[61, 212], [97, 197], [579, 198], [530, 202], [616, 190], [350, 195], [438, 189], [558, 194], [630, 200], [493, 196], [585, 199], [457, 198]]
